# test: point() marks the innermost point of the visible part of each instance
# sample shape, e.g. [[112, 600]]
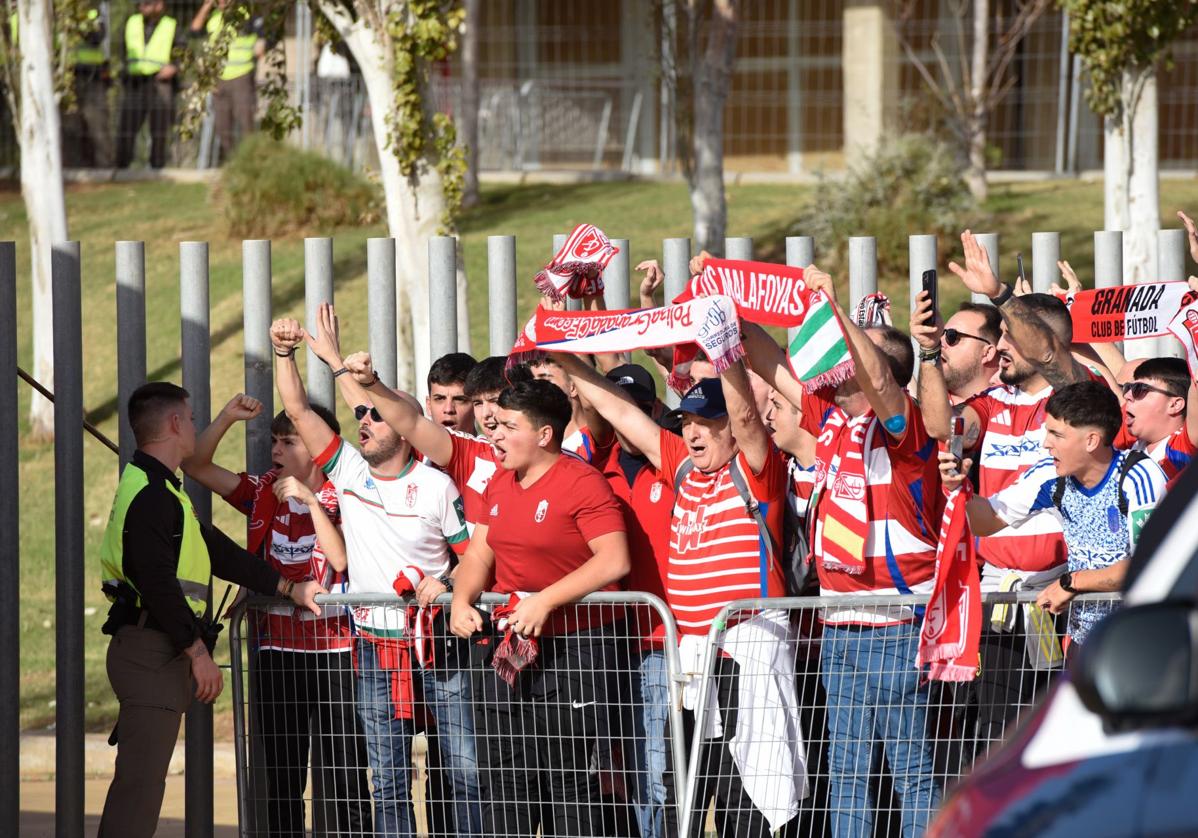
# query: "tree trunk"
[[975, 173], [415, 211], [468, 118], [1132, 187], [712, 75], [39, 137]]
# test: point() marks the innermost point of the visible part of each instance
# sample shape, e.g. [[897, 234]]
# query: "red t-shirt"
[[471, 467], [291, 547], [715, 546], [648, 506], [540, 534]]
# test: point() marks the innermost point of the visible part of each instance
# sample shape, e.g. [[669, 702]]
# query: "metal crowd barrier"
[[807, 729]]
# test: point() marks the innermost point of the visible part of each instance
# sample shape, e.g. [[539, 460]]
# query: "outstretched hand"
[[1072, 283], [654, 277], [977, 274], [326, 343], [1191, 233]]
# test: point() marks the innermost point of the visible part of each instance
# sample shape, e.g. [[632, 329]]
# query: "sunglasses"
[[361, 410], [1137, 390], [952, 337]]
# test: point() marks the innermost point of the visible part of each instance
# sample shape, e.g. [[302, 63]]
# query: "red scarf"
[[577, 269], [262, 512], [515, 652], [952, 624], [1144, 310], [842, 502]]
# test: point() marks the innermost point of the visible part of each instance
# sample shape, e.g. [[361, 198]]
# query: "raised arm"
[[747, 428], [767, 359], [615, 406], [983, 520], [199, 466], [285, 336], [402, 414], [326, 345], [1036, 341]]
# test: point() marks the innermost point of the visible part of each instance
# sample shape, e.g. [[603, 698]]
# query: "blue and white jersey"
[[1096, 535]]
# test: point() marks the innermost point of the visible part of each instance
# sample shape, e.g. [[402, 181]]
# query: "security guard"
[[158, 562], [149, 79], [87, 134], [234, 99]]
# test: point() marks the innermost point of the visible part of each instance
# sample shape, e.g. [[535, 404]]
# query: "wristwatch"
[[1066, 581]]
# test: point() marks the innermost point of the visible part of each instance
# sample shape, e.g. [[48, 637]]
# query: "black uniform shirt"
[[151, 540]]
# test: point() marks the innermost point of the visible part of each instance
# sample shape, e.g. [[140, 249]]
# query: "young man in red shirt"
[[303, 668], [717, 555], [551, 534]]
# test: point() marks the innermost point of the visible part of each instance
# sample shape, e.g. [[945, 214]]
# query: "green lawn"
[[164, 214]]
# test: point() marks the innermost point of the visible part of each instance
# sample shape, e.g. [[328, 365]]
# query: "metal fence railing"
[[776, 722]]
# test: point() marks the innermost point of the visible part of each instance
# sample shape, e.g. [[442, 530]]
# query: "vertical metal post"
[[197, 350], [10, 548], [676, 257], [559, 239], [318, 288], [617, 293], [800, 252], [1171, 267], [739, 247], [380, 307], [259, 360], [794, 90], [442, 295], [1046, 252], [863, 268], [1062, 94], [68, 538], [989, 242], [501, 293], [130, 335], [1108, 258]]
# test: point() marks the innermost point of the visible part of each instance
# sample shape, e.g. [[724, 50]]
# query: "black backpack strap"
[[1058, 495], [684, 468], [765, 540], [1130, 459]]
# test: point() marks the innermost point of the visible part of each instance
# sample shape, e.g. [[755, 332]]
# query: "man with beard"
[[968, 344], [1004, 425], [402, 523]]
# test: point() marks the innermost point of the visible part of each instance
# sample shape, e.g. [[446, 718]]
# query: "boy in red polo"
[[551, 534]]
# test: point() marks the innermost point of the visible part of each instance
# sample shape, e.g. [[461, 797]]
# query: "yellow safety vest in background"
[[240, 59], [195, 568], [86, 54], [147, 59]]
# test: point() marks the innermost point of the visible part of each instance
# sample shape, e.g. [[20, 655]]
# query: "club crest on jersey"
[[1112, 518], [542, 508], [655, 493], [850, 486], [494, 510], [410, 498]]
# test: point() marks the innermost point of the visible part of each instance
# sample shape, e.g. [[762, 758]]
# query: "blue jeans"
[[389, 744], [651, 752], [874, 694]]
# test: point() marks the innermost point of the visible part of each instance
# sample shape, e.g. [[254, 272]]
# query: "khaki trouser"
[[153, 685], [233, 104]]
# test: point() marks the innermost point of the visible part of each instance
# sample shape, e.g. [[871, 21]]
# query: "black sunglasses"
[[952, 337], [1137, 390], [361, 410]]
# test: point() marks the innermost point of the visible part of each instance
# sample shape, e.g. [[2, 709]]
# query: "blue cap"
[[705, 399]]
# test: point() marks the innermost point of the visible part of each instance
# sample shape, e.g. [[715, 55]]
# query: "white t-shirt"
[[1096, 535], [391, 523]]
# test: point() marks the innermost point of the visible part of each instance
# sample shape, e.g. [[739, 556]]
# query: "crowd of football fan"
[[568, 475]]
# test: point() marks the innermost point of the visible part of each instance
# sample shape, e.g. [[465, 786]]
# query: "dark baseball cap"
[[636, 381], [705, 399]]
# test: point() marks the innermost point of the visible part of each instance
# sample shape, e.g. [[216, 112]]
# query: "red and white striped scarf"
[[842, 504], [952, 625], [577, 269]]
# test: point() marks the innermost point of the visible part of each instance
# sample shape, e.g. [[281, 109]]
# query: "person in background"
[[234, 99], [1104, 497], [303, 669], [87, 130], [158, 562], [1157, 418], [149, 81], [447, 402], [551, 534]]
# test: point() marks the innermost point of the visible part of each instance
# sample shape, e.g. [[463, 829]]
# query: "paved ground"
[[37, 807]]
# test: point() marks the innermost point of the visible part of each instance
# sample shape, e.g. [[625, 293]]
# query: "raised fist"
[[361, 368], [242, 408], [286, 334]]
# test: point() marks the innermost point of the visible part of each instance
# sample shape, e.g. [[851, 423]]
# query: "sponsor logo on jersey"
[[369, 483], [542, 508]]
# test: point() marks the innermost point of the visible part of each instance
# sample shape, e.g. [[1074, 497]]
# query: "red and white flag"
[[1185, 327], [952, 624]]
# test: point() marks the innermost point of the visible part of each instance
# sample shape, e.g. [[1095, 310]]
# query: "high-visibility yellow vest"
[[195, 568], [86, 54], [240, 59], [144, 59]]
